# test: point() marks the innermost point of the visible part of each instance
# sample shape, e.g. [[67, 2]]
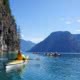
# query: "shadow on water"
[[13, 74]]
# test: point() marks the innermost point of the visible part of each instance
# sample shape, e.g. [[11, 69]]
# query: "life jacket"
[[19, 56]]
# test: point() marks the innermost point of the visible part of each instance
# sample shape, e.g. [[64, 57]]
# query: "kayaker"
[[20, 56]]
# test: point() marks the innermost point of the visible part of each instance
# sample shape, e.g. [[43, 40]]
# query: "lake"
[[65, 67]]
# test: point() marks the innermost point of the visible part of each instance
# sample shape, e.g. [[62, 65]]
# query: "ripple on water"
[[48, 68]]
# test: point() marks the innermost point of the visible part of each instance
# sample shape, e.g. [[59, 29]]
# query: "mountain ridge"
[[60, 41], [26, 45]]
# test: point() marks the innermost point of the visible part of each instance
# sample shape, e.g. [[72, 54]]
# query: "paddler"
[[20, 56]]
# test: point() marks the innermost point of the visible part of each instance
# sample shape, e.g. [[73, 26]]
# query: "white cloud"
[[33, 39], [68, 22], [22, 36], [36, 40], [78, 20], [78, 30]]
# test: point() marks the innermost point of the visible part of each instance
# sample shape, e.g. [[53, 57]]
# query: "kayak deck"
[[16, 62], [15, 65]]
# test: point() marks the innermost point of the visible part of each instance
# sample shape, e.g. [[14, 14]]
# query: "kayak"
[[16, 64]]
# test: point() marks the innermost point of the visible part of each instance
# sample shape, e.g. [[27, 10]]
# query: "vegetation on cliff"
[[6, 3], [8, 28]]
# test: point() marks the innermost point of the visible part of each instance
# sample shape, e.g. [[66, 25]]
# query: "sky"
[[39, 18]]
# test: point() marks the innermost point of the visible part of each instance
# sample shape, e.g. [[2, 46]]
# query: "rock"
[[8, 28]]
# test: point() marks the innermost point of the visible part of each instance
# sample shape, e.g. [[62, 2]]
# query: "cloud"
[[22, 36], [78, 20], [36, 40], [78, 30], [68, 22], [33, 39]]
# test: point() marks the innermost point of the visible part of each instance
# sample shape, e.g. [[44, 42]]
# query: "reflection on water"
[[66, 67], [14, 73]]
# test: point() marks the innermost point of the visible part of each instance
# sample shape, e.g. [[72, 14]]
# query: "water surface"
[[66, 67]]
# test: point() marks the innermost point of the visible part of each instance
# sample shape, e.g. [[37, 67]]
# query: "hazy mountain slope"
[[59, 41], [26, 45]]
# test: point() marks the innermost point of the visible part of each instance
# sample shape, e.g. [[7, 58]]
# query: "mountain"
[[60, 41], [26, 45]]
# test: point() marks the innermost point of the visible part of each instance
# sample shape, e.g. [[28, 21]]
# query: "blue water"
[[65, 67]]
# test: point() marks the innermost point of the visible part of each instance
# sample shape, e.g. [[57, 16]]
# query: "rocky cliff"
[[8, 28]]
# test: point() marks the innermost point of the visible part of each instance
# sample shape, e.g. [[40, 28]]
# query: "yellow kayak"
[[16, 63]]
